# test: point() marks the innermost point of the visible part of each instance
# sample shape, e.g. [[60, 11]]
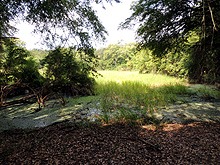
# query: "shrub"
[[172, 64], [17, 66], [68, 72]]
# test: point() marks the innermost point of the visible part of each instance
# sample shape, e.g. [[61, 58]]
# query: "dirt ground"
[[194, 143]]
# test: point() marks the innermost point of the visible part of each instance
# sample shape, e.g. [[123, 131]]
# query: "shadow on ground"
[[185, 110], [27, 116]]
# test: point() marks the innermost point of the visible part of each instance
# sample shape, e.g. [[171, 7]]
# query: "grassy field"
[[132, 96], [148, 79]]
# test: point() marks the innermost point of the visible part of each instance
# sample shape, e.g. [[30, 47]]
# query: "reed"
[[131, 96]]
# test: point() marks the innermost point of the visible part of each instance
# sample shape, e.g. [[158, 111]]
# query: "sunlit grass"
[[132, 96], [148, 79]]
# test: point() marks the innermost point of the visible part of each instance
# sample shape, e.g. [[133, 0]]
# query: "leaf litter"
[[118, 143]]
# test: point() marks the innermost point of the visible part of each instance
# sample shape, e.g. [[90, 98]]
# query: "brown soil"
[[195, 143]]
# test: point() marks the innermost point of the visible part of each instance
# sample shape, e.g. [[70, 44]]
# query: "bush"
[[175, 64], [172, 64], [68, 72], [17, 66], [30, 74], [147, 63]]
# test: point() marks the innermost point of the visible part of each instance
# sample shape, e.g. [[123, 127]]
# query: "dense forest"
[[166, 26], [126, 57]]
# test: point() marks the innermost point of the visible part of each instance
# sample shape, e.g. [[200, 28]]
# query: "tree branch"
[[214, 26], [213, 21], [22, 100]]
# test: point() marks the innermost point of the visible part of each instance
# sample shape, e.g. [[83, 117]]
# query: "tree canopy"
[[117, 57], [165, 25], [67, 70], [57, 21]]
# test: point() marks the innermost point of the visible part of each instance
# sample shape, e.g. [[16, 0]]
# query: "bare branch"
[[213, 21], [214, 26]]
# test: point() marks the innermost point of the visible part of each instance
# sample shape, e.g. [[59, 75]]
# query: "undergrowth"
[[134, 101]]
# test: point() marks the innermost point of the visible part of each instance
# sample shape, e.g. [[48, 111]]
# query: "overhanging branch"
[[213, 21]]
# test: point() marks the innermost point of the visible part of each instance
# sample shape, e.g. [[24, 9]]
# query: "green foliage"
[[162, 25], [147, 63], [175, 64], [172, 64], [66, 70], [68, 74], [59, 22], [38, 55], [165, 26], [134, 100], [127, 57], [16, 65], [117, 57], [30, 74]]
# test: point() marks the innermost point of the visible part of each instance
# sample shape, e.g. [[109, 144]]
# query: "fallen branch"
[[149, 145], [22, 100], [5, 90], [42, 95]]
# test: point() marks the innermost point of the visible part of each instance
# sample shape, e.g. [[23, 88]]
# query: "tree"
[[18, 72], [64, 20], [163, 26], [68, 72], [117, 56], [59, 22], [16, 65]]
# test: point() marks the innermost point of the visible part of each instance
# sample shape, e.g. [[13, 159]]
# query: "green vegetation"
[[131, 96], [17, 65], [124, 97], [117, 57], [38, 55], [148, 79], [64, 71], [172, 63], [68, 73], [128, 58], [178, 39], [70, 61], [166, 26]]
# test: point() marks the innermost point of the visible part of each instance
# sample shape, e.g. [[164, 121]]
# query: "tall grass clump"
[[206, 92], [132, 100]]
